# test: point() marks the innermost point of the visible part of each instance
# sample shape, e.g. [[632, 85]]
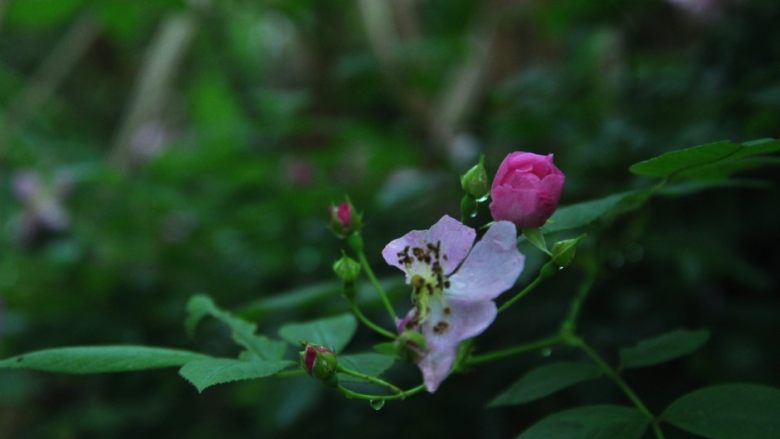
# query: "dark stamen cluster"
[[430, 255], [414, 321], [440, 327]]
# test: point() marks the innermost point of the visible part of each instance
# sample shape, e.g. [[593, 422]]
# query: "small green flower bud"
[[347, 269], [563, 252], [320, 362], [475, 181]]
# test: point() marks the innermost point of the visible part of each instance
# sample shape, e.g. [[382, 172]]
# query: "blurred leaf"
[[368, 363], [663, 348], [575, 216], [386, 348], [243, 332], [100, 359], [297, 297], [206, 373], [713, 160], [728, 411], [592, 422], [546, 380], [312, 294], [693, 187], [214, 107], [41, 14], [724, 169], [333, 332]]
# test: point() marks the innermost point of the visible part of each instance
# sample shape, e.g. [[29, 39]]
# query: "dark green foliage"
[[597, 422], [728, 411], [663, 348], [546, 380]]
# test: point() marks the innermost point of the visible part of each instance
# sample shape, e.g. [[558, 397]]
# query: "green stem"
[[366, 321], [547, 270], [514, 350], [375, 282], [613, 375], [369, 378], [570, 323], [402, 395]]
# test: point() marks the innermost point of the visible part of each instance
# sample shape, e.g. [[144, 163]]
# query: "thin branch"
[[152, 89]]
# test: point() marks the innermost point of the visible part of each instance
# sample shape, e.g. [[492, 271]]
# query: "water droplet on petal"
[[546, 352], [377, 404]]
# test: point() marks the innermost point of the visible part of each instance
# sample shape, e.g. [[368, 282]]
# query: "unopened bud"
[[347, 269], [563, 252], [344, 219], [475, 181], [320, 362]]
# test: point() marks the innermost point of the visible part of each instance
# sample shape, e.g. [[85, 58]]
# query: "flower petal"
[[455, 238], [491, 268], [463, 320], [395, 248], [456, 241]]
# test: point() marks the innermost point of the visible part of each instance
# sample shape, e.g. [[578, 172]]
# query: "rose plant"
[[454, 284]]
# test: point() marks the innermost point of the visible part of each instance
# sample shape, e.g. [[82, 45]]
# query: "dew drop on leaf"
[[546, 352], [377, 404]]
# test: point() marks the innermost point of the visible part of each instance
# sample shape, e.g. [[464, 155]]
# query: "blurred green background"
[[153, 150]]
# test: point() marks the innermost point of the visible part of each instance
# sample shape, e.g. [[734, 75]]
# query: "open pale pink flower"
[[453, 301]]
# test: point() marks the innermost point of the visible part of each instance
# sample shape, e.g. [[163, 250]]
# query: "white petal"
[[455, 239], [491, 268], [459, 321]]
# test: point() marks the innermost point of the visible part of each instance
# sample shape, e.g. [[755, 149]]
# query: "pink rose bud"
[[344, 220], [319, 362], [526, 189], [344, 213]]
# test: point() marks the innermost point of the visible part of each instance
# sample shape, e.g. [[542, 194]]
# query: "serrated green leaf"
[[592, 422], [367, 363], [728, 411], [332, 332], [100, 359], [712, 160], [544, 381], [663, 348], [579, 215], [243, 332], [209, 372]]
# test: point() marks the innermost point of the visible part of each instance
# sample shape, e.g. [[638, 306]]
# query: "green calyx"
[[346, 269], [563, 252], [475, 181]]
